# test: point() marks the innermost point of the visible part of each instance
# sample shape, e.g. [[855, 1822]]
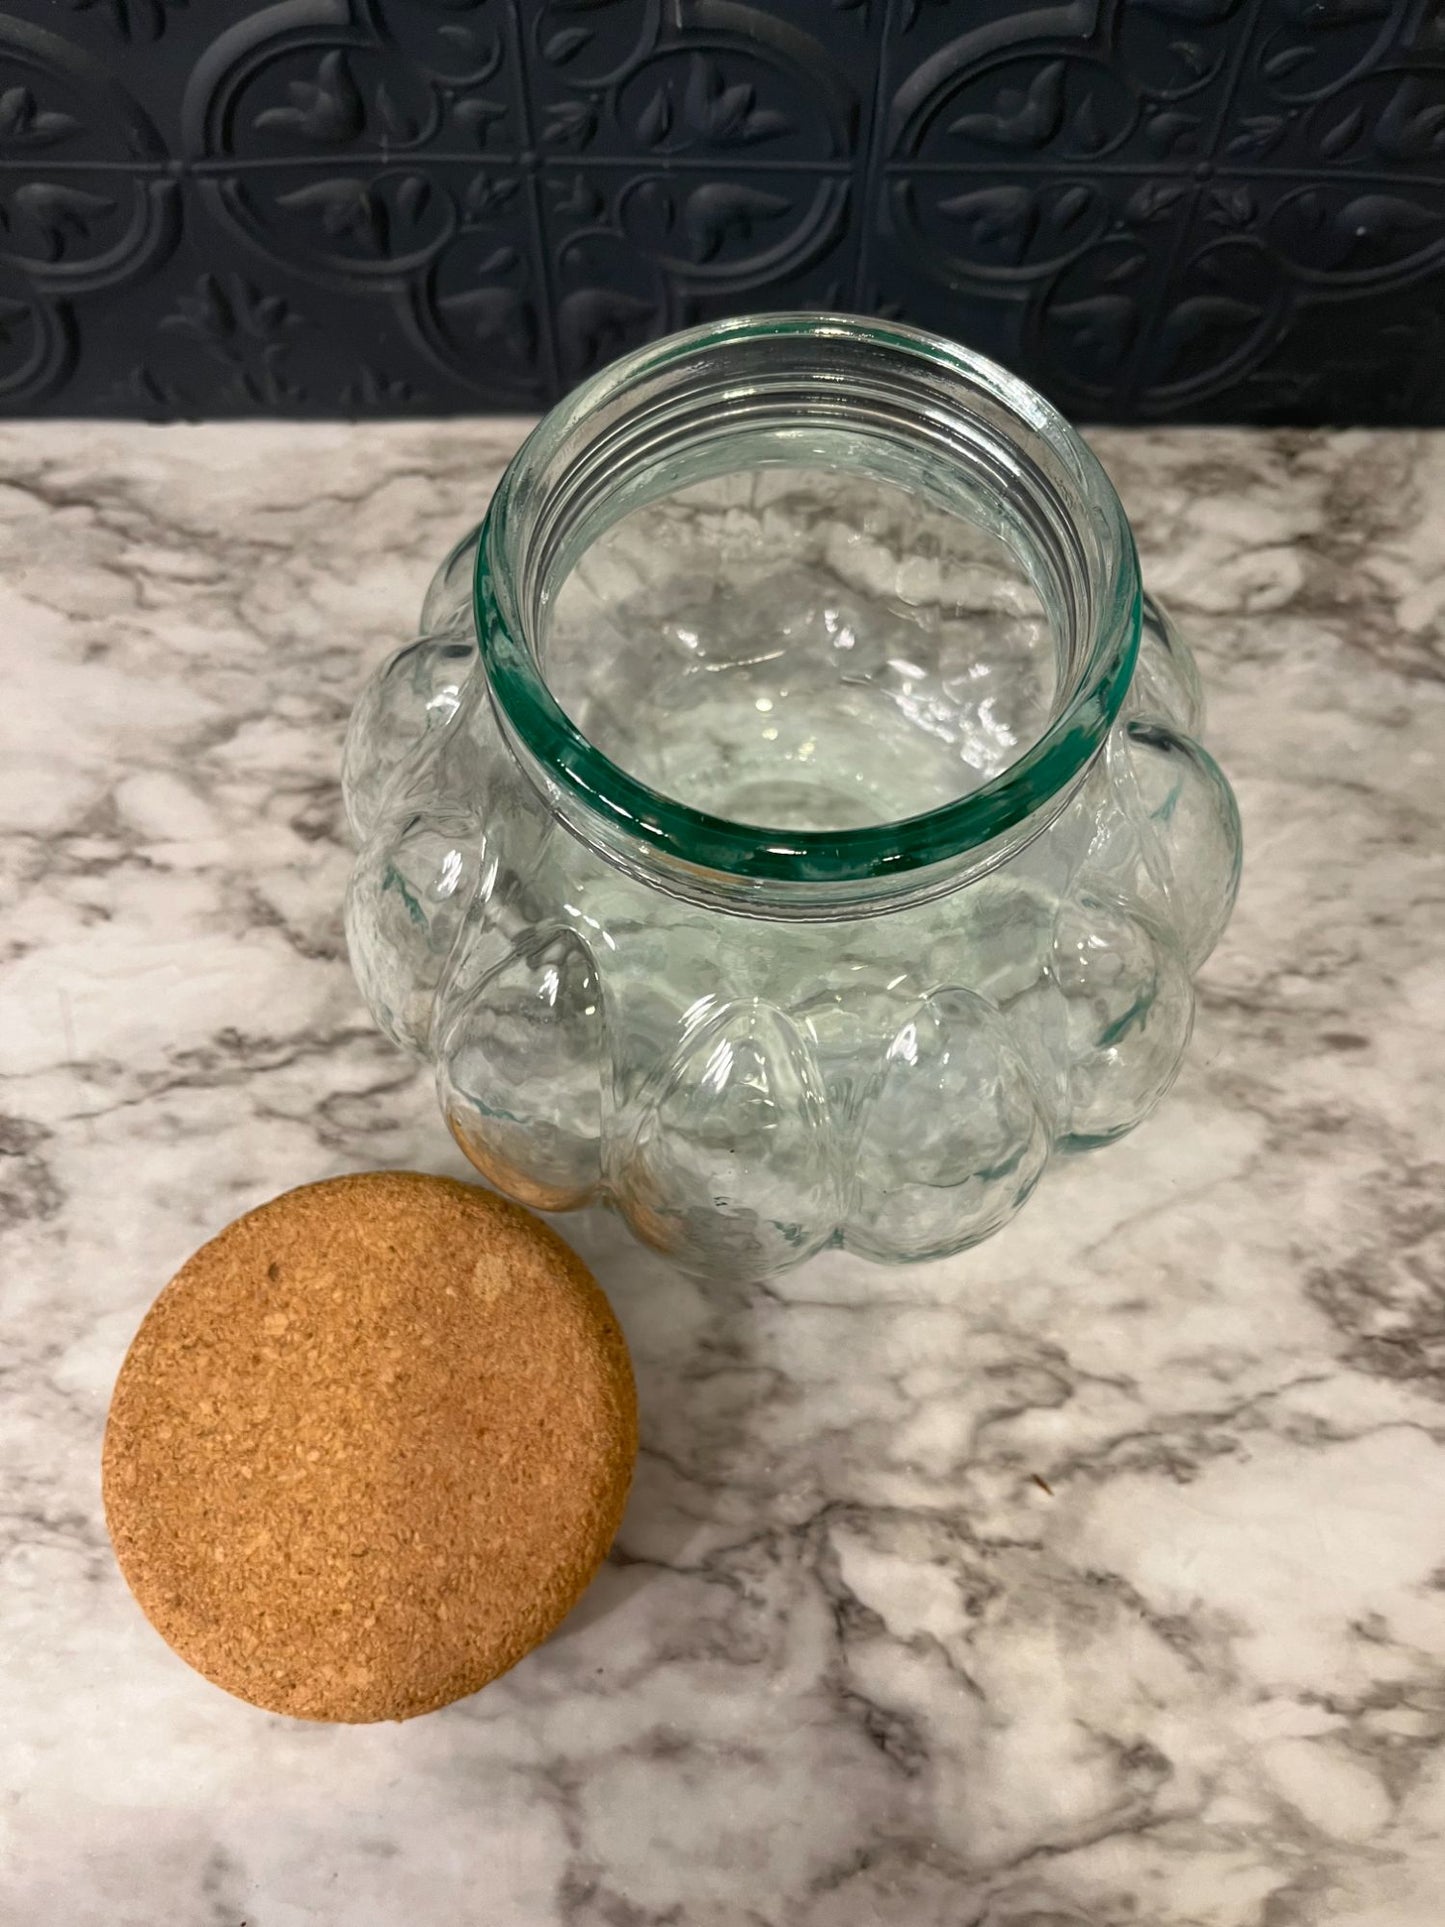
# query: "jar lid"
[[369, 1446]]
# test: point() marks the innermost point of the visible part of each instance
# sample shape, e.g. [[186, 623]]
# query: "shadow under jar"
[[790, 826]]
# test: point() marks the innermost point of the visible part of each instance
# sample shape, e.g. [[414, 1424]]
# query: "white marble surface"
[[1096, 1579]]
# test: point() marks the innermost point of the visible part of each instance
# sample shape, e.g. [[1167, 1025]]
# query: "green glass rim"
[[674, 829]]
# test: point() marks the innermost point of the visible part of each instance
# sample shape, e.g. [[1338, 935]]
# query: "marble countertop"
[[1094, 1579]]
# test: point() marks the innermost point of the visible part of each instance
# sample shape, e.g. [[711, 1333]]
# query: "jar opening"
[[806, 601], [805, 644]]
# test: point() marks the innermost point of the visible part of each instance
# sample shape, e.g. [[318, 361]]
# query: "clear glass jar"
[[790, 827]]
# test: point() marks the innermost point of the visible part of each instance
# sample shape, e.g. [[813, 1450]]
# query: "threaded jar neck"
[[862, 398]]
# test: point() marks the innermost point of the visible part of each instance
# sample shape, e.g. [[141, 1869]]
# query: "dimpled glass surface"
[[807, 650]]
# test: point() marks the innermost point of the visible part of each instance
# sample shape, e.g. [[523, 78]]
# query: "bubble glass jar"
[[790, 825]]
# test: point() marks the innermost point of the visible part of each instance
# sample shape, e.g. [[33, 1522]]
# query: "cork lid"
[[369, 1446]]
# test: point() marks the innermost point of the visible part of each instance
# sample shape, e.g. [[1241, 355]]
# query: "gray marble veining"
[[1094, 1579]]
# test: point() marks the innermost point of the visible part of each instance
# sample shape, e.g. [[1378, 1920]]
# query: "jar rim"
[[571, 764]]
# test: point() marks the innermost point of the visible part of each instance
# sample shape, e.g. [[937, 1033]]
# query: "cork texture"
[[369, 1446]]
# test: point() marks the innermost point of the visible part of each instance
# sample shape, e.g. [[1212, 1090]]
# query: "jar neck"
[[906, 408]]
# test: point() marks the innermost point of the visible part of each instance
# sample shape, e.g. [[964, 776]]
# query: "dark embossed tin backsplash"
[[1206, 209]]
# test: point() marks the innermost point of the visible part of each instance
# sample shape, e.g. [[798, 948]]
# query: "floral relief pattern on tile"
[[1167, 209]]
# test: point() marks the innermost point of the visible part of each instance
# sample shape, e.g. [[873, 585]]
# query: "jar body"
[[749, 1088]]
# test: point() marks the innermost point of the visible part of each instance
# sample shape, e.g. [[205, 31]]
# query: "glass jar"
[[790, 826]]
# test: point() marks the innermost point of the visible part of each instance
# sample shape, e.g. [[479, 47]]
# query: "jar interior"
[[819, 637], [791, 604]]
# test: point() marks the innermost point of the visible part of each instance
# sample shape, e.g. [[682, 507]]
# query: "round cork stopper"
[[369, 1446]]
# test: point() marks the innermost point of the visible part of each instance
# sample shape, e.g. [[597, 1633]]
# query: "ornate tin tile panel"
[[1159, 209]]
